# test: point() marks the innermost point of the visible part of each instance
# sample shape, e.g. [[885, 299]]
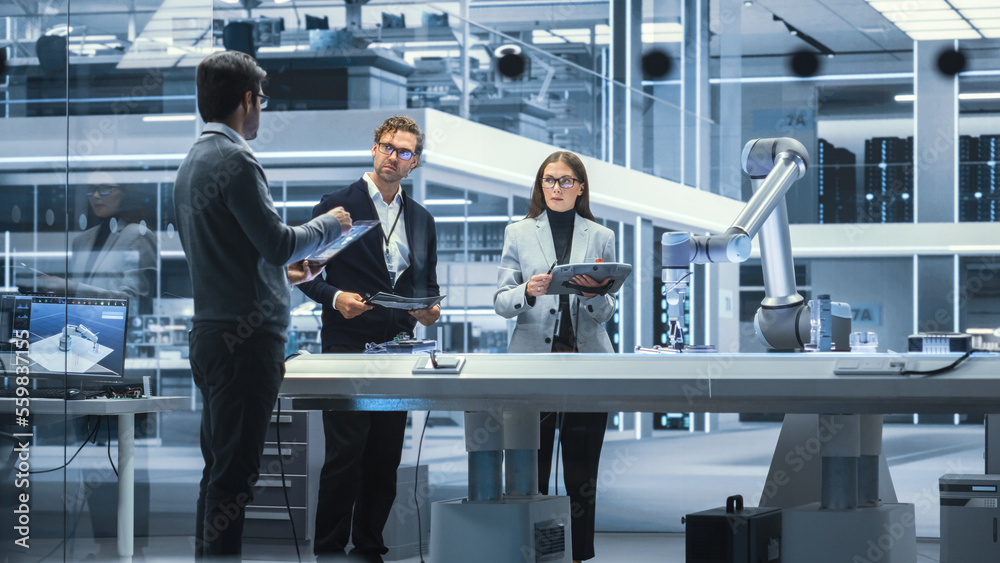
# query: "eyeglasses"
[[263, 100], [386, 148], [103, 191], [565, 182]]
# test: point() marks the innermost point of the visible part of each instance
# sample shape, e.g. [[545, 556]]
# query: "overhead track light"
[[812, 41]]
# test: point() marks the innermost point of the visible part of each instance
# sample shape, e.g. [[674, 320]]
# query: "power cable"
[[91, 438], [416, 481]]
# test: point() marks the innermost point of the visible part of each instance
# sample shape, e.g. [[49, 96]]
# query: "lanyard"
[[386, 238]]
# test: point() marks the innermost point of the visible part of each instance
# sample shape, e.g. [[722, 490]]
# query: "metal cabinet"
[[301, 453]]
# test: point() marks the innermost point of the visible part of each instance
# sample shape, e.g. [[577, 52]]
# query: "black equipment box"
[[939, 342], [733, 534]]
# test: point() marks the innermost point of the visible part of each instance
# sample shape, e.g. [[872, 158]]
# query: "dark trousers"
[[363, 450], [238, 380], [582, 437]]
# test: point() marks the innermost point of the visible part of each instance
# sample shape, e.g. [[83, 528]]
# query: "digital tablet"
[[399, 302], [326, 253], [562, 276]]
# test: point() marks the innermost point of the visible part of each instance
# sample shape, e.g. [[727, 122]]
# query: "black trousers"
[[582, 437], [363, 450], [238, 380]]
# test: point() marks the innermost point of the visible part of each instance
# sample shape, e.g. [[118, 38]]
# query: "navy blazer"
[[360, 268]]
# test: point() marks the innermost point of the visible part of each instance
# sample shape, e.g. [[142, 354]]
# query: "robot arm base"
[[782, 328], [787, 327]]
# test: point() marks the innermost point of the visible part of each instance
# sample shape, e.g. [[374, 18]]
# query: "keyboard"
[[47, 393]]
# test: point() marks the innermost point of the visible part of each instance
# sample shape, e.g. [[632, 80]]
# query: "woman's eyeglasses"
[[102, 191], [565, 182]]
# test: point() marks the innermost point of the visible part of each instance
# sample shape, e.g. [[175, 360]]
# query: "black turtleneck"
[[561, 224]]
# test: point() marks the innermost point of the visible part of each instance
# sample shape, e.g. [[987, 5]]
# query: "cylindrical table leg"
[[839, 437], [520, 442], [484, 442], [126, 483], [868, 463]]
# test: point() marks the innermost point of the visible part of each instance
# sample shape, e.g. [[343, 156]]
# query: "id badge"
[[392, 273]]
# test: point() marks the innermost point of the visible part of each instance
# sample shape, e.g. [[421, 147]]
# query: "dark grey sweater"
[[236, 244]]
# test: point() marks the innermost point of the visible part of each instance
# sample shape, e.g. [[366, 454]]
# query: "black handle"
[[599, 290], [736, 500]]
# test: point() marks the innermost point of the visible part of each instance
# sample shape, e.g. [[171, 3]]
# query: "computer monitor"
[[393, 21], [239, 36], [315, 22], [75, 336], [267, 31], [434, 20], [51, 52]]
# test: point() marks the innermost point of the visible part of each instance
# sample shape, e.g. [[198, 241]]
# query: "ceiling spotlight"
[[748, 3], [951, 62], [804, 63], [793, 31], [656, 64], [60, 30], [508, 49]]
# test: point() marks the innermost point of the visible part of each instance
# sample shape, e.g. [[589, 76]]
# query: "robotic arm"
[[66, 340], [783, 318]]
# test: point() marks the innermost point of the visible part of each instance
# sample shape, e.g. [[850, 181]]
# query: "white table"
[[125, 410], [781, 383]]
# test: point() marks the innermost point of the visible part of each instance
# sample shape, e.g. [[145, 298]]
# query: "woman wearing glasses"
[[560, 229], [115, 256]]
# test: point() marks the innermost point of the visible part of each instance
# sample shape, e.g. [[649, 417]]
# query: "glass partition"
[[35, 205], [99, 109]]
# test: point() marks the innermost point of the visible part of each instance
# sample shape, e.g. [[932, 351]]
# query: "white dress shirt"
[[397, 259]]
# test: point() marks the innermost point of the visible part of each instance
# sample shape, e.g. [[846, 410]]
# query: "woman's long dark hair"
[[582, 201]]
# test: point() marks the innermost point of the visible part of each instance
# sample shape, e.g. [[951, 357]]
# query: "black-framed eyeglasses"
[[386, 148], [263, 100], [566, 182], [102, 191]]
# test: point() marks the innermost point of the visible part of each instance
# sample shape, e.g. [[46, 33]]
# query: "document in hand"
[[399, 302], [562, 277], [326, 253]]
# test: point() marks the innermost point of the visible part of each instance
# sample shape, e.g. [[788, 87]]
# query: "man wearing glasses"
[[363, 449], [242, 260]]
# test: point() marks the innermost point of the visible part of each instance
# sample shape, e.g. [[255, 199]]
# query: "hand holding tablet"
[[563, 277]]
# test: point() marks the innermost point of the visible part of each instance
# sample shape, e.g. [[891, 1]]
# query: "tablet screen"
[[326, 253]]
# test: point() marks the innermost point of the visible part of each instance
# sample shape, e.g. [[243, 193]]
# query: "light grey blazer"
[[528, 250], [124, 267]]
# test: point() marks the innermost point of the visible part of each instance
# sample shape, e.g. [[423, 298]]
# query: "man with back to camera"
[[237, 249], [363, 449]]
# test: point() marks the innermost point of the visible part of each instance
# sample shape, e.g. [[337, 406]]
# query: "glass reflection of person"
[[116, 258], [560, 229]]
